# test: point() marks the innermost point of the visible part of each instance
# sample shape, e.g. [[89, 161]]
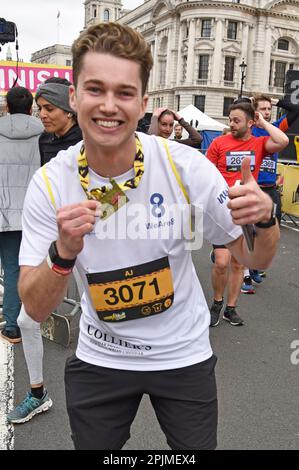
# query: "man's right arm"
[[42, 289]]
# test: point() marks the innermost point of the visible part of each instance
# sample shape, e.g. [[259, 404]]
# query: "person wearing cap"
[[58, 118], [61, 132]]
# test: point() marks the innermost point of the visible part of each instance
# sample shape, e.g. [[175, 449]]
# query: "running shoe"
[[215, 313], [255, 276], [29, 407], [12, 336], [247, 287], [231, 315]]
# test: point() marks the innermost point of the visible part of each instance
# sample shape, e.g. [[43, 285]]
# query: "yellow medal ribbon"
[[98, 193]]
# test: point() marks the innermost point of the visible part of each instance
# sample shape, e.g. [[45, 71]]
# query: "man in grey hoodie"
[[19, 158]]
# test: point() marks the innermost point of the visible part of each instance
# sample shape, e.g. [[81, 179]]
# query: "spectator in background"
[[61, 127], [19, 158], [226, 153], [267, 178], [63, 131], [162, 123], [178, 131]]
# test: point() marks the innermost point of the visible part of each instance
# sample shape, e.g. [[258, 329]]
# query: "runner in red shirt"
[[227, 153]]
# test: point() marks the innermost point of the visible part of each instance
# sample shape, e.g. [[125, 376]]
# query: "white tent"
[[200, 120]]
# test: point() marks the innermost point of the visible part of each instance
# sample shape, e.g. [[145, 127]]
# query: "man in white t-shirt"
[[115, 205]]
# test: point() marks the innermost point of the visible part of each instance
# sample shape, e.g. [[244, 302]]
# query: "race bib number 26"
[[133, 292], [234, 160]]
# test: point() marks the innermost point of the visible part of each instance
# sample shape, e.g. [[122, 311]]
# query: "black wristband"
[[55, 258], [270, 222], [266, 224]]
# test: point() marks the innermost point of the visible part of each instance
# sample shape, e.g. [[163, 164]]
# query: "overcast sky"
[[36, 22]]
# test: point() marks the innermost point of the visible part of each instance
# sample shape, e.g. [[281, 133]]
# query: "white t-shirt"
[[143, 307]]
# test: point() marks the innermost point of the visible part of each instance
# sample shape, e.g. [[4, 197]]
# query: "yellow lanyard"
[[97, 193]]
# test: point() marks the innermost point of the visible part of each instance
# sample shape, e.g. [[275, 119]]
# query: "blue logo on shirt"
[[223, 196], [158, 210]]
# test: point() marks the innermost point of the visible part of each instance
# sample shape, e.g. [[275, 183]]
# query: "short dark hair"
[[62, 81], [116, 39], [245, 107], [19, 100], [242, 99]]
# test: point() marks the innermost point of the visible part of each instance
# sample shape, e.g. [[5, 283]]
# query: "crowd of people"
[[138, 293]]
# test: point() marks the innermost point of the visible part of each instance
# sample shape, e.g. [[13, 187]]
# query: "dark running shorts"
[[102, 404]]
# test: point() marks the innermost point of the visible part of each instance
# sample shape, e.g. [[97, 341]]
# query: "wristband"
[[270, 222], [58, 269]]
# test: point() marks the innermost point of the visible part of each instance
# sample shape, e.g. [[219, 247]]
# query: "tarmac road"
[[257, 383]]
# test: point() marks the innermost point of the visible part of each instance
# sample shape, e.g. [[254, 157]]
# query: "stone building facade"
[[58, 54], [198, 47]]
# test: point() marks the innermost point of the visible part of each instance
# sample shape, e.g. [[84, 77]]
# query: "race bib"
[[268, 164], [234, 160], [132, 293]]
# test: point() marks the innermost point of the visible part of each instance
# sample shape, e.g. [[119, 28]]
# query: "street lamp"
[[243, 75]]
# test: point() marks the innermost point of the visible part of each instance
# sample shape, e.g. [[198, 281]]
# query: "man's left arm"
[[277, 140], [250, 205]]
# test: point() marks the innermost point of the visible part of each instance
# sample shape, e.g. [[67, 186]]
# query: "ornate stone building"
[[58, 54], [198, 47]]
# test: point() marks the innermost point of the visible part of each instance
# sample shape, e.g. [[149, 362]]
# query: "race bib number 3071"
[[133, 292]]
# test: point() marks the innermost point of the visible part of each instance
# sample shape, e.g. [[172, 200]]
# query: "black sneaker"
[[13, 336], [215, 313], [232, 316]]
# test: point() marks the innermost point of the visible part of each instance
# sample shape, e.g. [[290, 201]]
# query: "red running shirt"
[[227, 154]]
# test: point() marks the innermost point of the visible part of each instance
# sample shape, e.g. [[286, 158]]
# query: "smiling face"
[[108, 101]]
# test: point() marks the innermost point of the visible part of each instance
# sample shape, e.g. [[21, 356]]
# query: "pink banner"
[[30, 75]]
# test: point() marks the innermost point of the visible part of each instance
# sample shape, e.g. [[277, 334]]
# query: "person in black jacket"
[[58, 118]]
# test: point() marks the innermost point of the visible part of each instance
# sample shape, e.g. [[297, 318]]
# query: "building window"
[[68, 62], [178, 102], [229, 69], [94, 8], [162, 72], [203, 70], [232, 30], [184, 74], [283, 45], [280, 71], [206, 28], [186, 30], [227, 102], [199, 102], [291, 67], [158, 101], [106, 15], [270, 72], [235, 1]]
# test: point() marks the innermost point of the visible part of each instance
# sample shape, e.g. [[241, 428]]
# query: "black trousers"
[[102, 404]]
